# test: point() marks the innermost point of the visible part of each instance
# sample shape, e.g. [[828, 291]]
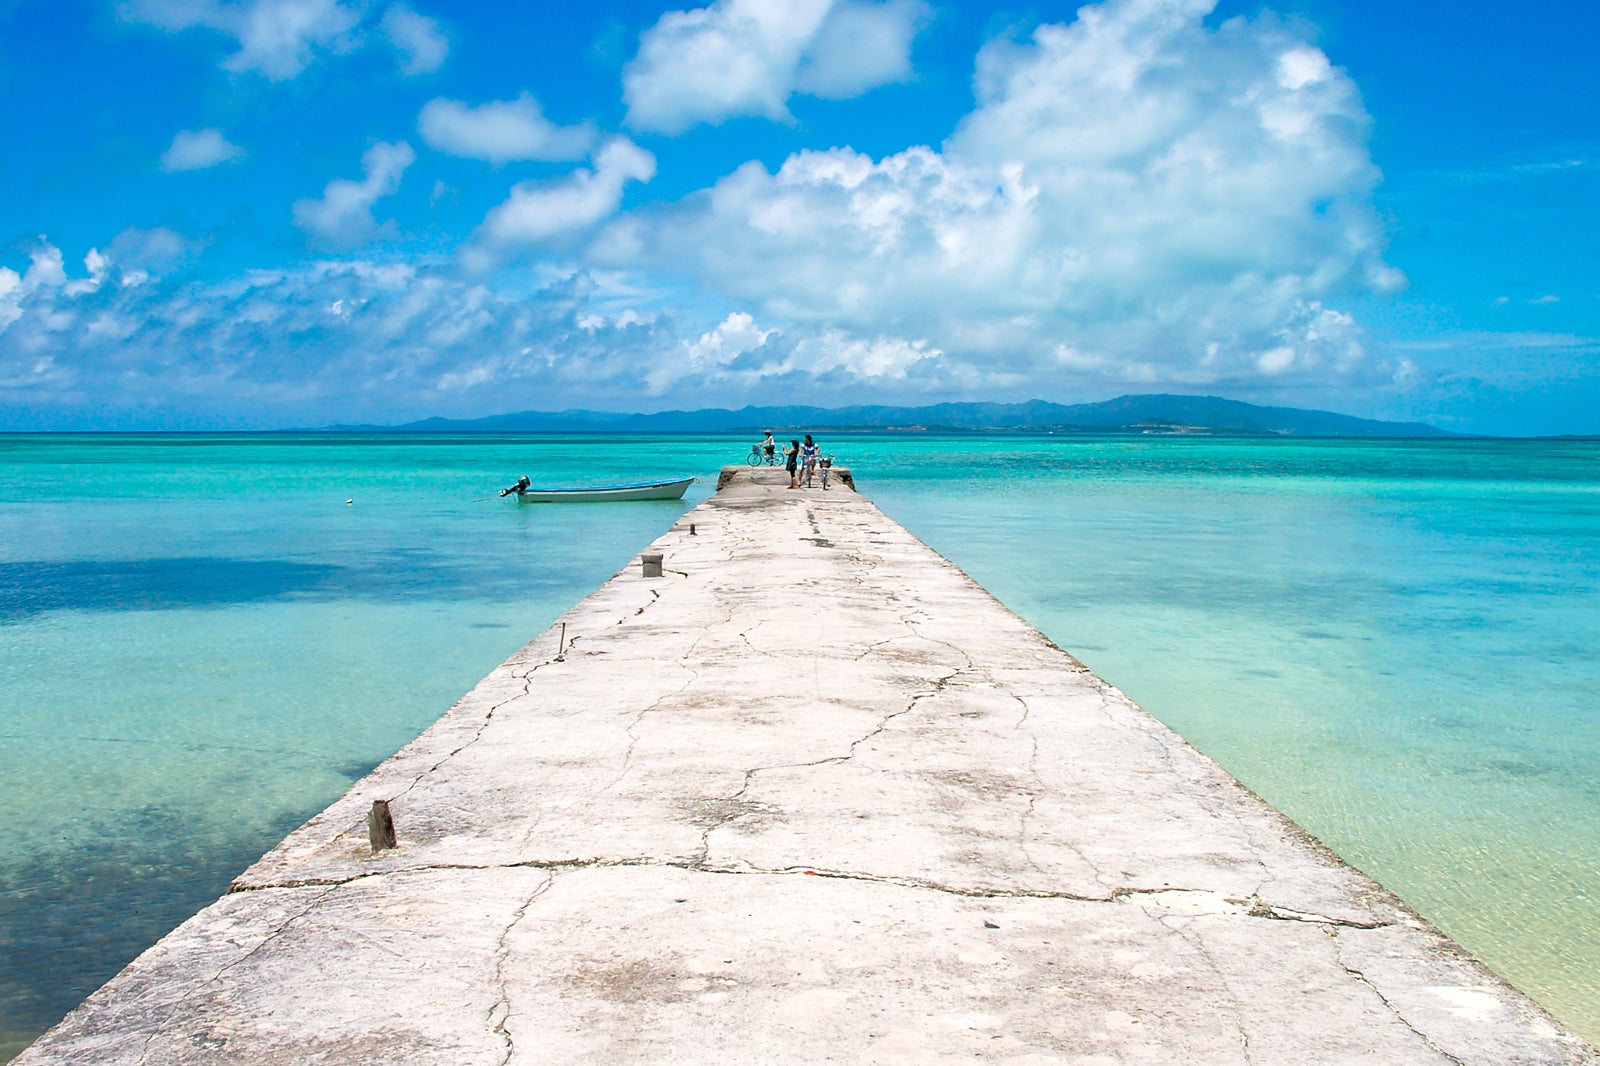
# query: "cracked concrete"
[[812, 795]]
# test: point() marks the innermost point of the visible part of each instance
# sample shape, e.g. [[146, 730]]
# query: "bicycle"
[[823, 466], [759, 455]]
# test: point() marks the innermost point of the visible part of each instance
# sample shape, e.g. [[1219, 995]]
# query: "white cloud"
[[199, 150], [11, 295], [734, 337], [747, 57], [860, 46], [420, 42], [280, 38], [46, 269], [314, 344], [1137, 198], [539, 211], [344, 213], [868, 358], [141, 255], [346, 341], [501, 131], [97, 265]]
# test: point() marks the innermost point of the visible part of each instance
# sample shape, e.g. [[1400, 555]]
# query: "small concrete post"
[[380, 826], [652, 564]]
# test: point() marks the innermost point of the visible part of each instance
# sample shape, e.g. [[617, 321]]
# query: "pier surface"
[[811, 795]]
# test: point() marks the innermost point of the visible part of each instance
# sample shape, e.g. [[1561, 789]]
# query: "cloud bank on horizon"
[[1143, 195]]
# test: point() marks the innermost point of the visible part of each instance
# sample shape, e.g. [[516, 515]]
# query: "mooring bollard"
[[380, 826], [652, 564]]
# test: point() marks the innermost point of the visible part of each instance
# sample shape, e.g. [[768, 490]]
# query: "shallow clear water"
[[201, 644]]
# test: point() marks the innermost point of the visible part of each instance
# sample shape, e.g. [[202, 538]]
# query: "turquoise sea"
[[202, 643]]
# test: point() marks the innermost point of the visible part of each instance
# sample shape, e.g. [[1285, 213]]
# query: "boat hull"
[[655, 490]]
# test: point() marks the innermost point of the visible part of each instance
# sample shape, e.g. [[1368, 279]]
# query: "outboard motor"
[[519, 488]]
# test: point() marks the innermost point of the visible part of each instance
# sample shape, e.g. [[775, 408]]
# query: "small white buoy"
[[347, 503]]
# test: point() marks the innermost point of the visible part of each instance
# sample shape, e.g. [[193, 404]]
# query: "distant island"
[[1156, 414]]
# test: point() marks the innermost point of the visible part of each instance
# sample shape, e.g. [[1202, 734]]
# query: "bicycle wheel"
[[754, 458]]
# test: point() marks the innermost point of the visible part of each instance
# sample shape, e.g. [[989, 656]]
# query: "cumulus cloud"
[[538, 211], [276, 38], [747, 57], [280, 38], [1137, 198], [50, 298], [501, 131], [860, 46], [199, 150], [46, 273], [344, 212], [733, 337], [420, 43]]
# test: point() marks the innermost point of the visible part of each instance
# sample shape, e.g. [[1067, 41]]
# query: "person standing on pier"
[[808, 459], [791, 462]]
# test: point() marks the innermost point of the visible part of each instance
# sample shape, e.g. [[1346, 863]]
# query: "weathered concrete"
[[812, 795]]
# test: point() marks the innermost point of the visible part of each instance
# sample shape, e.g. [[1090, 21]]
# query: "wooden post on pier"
[[380, 826]]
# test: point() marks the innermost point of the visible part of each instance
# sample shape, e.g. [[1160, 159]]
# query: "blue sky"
[[237, 214]]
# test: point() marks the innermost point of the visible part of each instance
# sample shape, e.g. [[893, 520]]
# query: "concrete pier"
[[809, 795]]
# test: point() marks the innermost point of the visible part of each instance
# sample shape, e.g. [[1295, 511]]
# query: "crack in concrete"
[[1180, 927], [483, 726], [750, 773], [1362, 978], [633, 737], [655, 596], [699, 864], [1259, 909], [1025, 819], [873, 647], [502, 1006], [966, 659], [1254, 907], [939, 685]]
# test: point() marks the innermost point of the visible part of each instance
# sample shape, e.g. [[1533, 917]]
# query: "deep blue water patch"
[[33, 587]]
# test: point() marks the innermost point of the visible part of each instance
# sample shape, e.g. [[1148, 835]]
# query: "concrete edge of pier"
[[792, 788]]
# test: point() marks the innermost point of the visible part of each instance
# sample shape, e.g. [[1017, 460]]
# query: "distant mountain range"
[[1151, 414]]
